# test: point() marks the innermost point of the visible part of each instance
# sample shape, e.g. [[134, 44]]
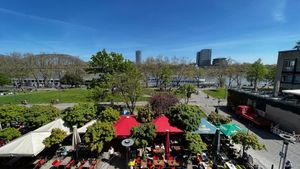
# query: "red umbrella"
[[124, 124]]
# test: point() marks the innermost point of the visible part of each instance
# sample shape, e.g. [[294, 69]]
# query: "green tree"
[[247, 141], [9, 134], [98, 134], [187, 90], [271, 72], [256, 72], [144, 134], [57, 136], [297, 46], [38, 115], [145, 114], [128, 86], [71, 79], [185, 117], [9, 113], [4, 80], [195, 143], [106, 65], [80, 114], [109, 115], [218, 119]]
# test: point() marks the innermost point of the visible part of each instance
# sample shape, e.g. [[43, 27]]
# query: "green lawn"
[[219, 93], [38, 97]]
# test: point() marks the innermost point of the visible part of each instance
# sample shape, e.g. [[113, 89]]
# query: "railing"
[[275, 129]]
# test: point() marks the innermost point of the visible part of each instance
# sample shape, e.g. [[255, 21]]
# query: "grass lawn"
[[219, 93], [38, 97]]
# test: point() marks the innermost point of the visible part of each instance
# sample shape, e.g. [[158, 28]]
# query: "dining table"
[[173, 163], [65, 161]]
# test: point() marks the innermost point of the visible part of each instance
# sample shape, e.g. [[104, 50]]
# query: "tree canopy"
[[80, 114], [161, 102], [185, 117], [218, 119], [247, 140], [38, 115], [195, 143], [9, 113], [256, 72], [71, 79], [109, 115], [187, 90], [9, 134], [128, 86], [145, 114], [56, 137], [4, 79], [97, 134], [143, 134]]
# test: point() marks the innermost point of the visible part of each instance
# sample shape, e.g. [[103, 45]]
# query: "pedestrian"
[[288, 165], [216, 110], [111, 152]]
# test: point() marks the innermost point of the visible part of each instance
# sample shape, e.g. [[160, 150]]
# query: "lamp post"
[[286, 140], [127, 143]]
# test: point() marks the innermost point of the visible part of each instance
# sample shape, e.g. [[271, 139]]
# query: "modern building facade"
[[288, 69], [219, 61], [203, 57], [138, 57]]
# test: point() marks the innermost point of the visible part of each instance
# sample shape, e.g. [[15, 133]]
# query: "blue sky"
[[241, 30]]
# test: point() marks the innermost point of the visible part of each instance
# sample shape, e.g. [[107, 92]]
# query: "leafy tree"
[[9, 113], [197, 74], [38, 115], [185, 117], [161, 102], [106, 65], [4, 80], [9, 134], [143, 134], [56, 137], [218, 119], [247, 141], [297, 46], [187, 90], [271, 72], [165, 77], [195, 143], [97, 134], [128, 86], [80, 114], [71, 79], [145, 114], [256, 72], [109, 115]]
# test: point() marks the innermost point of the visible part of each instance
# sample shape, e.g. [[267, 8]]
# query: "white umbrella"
[[76, 138]]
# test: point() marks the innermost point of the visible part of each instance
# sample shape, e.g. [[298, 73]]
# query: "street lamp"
[[127, 143], [286, 140]]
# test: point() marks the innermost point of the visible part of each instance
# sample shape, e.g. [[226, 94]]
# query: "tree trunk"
[[255, 85]]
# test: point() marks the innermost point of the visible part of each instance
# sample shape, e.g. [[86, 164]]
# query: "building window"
[[288, 78], [297, 79], [288, 65], [298, 65]]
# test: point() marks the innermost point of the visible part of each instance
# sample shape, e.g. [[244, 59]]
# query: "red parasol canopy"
[[162, 125], [124, 124]]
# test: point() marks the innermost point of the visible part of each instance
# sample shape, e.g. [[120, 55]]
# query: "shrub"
[[161, 102]]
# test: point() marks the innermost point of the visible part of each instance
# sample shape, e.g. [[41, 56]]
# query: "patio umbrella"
[[205, 127], [167, 150], [230, 129], [75, 140], [216, 144]]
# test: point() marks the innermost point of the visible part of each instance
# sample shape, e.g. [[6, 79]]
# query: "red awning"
[[162, 125], [124, 124]]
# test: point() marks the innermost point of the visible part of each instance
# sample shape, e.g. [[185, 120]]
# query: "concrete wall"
[[287, 120]]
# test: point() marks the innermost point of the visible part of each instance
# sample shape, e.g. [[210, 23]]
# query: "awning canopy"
[[124, 124], [294, 92], [206, 127], [31, 144], [83, 129], [162, 125], [229, 129]]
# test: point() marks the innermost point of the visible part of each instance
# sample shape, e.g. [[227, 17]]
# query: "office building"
[[138, 57], [288, 70], [219, 61], [204, 57]]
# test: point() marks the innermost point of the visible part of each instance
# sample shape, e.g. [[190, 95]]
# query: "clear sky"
[[243, 30]]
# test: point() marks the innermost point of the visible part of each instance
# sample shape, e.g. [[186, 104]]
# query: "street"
[[273, 143]]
